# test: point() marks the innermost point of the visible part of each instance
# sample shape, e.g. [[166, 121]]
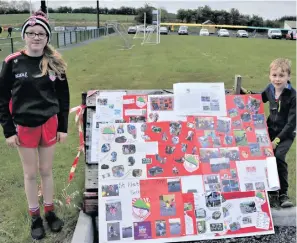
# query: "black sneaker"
[[54, 223], [273, 200], [285, 201], [37, 229]]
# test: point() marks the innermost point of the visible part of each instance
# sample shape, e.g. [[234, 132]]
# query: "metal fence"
[[58, 39]]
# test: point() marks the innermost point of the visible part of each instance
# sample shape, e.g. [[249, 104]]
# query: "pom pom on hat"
[[38, 18]]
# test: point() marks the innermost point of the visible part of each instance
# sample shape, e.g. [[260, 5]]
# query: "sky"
[[265, 9]]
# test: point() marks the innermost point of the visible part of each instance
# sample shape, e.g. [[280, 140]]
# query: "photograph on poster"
[[175, 226], [113, 211], [167, 205], [161, 108]]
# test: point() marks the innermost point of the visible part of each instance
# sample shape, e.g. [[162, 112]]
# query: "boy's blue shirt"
[[272, 89], [282, 112]]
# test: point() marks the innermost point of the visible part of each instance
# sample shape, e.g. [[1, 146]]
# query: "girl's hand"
[[13, 141], [61, 137]]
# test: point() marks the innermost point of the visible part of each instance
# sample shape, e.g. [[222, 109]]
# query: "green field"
[[59, 19], [100, 65]]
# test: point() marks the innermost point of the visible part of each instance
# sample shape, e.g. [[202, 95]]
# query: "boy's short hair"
[[283, 63]]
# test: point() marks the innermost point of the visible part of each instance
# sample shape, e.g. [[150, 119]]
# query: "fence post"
[[58, 42], [64, 38], [70, 37], [237, 84], [11, 41], [84, 102]]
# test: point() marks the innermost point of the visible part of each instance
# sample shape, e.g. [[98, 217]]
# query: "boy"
[[281, 122]]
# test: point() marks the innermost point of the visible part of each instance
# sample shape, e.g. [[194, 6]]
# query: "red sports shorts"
[[44, 135]]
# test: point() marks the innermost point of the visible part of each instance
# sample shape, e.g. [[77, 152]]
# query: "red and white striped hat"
[[38, 18]]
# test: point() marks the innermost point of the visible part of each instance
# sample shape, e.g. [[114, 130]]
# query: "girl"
[[35, 82]]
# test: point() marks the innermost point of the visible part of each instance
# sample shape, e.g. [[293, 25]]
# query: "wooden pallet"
[[91, 178], [90, 199]]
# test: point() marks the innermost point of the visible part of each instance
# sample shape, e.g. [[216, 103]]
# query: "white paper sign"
[[272, 173], [109, 106], [194, 99]]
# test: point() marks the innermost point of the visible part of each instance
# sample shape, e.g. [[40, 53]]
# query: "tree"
[[206, 13], [189, 16], [164, 15], [234, 16], [181, 15], [290, 18], [256, 21], [149, 14], [244, 20], [64, 9], [197, 15]]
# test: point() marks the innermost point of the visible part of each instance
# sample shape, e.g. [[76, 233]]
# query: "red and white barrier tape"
[[79, 121]]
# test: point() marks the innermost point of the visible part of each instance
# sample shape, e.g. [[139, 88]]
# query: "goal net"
[[119, 34]]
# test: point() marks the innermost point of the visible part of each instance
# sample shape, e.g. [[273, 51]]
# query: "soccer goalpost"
[[119, 31], [140, 32], [152, 32]]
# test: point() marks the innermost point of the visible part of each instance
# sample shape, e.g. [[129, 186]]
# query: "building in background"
[[290, 25]]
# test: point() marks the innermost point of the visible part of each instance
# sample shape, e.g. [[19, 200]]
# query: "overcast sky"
[[266, 9]]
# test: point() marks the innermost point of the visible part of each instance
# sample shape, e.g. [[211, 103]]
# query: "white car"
[[183, 30], [223, 32], [274, 34], [150, 28], [242, 33], [163, 31], [204, 32], [132, 30], [140, 29]]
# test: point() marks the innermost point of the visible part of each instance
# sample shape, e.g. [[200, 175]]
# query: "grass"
[[100, 65], [63, 19]]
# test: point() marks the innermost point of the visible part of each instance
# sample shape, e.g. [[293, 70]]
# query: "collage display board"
[[192, 165]]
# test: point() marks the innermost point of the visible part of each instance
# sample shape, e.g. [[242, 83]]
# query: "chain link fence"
[[58, 39]]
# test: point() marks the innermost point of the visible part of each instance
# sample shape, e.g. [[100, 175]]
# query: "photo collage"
[[144, 156]]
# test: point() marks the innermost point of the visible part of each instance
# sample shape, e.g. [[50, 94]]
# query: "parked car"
[[204, 32], [150, 28], [183, 30], [140, 28], [242, 34], [291, 35], [223, 33], [274, 34], [163, 30], [132, 30]]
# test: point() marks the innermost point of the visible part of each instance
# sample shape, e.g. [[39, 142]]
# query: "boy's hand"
[[275, 142]]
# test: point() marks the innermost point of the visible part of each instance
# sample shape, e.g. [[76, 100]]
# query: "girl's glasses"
[[32, 35]]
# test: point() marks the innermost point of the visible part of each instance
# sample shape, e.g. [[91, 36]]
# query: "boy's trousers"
[[280, 153]]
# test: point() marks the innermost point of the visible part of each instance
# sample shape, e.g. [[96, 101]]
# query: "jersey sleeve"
[[290, 127], [62, 89], [6, 80]]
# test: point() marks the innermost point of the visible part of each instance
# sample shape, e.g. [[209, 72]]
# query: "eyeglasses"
[[32, 35]]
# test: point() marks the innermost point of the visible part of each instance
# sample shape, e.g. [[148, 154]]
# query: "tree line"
[[199, 15], [233, 17]]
